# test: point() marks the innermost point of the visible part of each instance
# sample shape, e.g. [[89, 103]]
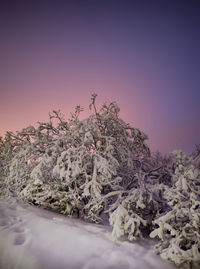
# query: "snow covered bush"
[[74, 166], [179, 229], [142, 200], [101, 169]]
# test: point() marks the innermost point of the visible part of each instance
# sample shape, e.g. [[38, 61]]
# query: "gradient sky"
[[145, 55]]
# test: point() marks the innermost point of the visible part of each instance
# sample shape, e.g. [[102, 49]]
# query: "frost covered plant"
[[126, 223], [140, 203], [73, 167], [101, 169], [179, 229]]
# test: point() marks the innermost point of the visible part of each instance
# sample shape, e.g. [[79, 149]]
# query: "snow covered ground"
[[33, 238]]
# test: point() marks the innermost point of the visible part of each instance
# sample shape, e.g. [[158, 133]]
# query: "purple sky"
[[145, 55]]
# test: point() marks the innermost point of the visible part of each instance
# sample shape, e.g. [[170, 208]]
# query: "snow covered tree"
[[101, 169], [179, 229], [75, 166]]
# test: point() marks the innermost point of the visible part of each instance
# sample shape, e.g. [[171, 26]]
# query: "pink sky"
[[146, 58]]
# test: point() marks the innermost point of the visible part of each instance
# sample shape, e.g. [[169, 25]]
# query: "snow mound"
[[33, 238]]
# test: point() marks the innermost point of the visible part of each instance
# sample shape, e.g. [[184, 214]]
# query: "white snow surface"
[[34, 238]]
